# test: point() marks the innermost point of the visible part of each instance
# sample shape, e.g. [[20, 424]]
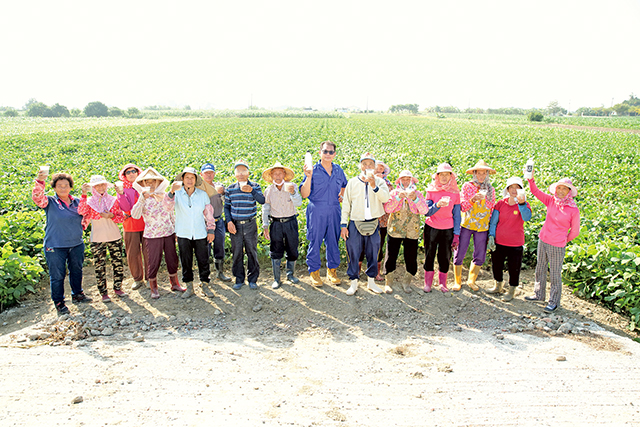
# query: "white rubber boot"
[[353, 288], [371, 284]]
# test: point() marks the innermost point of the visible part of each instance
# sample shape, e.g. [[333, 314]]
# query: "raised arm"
[[37, 194]]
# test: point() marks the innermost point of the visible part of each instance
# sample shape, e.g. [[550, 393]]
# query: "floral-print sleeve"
[[468, 191], [37, 195], [87, 211], [209, 219], [393, 204], [118, 215], [419, 205]]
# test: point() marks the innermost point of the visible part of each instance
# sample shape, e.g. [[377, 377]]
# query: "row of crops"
[[603, 263]]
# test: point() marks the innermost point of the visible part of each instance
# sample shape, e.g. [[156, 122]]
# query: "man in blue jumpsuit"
[[324, 185]]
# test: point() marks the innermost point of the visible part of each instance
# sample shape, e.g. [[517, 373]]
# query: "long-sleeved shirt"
[[158, 221], [475, 216], [126, 201], [445, 217], [561, 225], [404, 215], [326, 188], [361, 202], [241, 206], [279, 203], [507, 222], [194, 213], [64, 224], [102, 229]]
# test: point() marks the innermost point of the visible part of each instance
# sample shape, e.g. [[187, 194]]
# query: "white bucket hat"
[[510, 182], [99, 179]]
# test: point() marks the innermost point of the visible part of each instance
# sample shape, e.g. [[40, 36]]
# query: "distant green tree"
[[187, 107], [10, 112], [38, 109], [133, 113], [60, 111], [76, 112], [555, 109], [30, 102], [404, 108], [96, 109], [115, 112], [535, 116]]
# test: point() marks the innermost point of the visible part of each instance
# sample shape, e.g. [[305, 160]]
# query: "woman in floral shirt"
[[404, 207], [478, 198], [159, 230]]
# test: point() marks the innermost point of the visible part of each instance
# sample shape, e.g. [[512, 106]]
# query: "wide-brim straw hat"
[[288, 173], [188, 169], [151, 173], [481, 165], [99, 179], [406, 173], [567, 183], [510, 182]]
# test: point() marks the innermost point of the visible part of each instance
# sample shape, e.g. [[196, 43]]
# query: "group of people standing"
[[365, 211]]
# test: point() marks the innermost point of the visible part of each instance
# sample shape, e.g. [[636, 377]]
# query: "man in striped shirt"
[[240, 215]]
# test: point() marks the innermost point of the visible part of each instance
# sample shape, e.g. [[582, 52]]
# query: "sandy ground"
[[305, 356]]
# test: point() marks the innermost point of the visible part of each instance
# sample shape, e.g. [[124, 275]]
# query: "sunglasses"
[[329, 152], [131, 171]]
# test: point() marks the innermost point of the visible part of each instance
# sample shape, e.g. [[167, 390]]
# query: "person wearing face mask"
[[279, 220], [561, 225], [477, 200], [363, 204], [506, 236], [159, 229], [323, 184], [104, 212], [442, 225], [405, 205], [195, 227], [240, 212]]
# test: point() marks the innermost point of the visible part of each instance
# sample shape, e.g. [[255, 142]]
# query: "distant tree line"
[[404, 108], [630, 107], [34, 108]]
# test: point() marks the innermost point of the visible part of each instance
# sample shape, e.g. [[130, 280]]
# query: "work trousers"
[[58, 260], [134, 246], [218, 244], [356, 243], [187, 247], [549, 256], [155, 247], [99, 253], [410, 254], [513, 256], [284, 239], [245, 241], [438, 242], [479, 246]]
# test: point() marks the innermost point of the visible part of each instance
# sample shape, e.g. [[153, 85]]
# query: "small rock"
[[77, 399], [565, 328], [500, 336], [217, 313], [107, 332], [561, 359], [139, 338]]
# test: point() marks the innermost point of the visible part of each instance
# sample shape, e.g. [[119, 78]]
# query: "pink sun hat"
[[567, 183], [407, 173]]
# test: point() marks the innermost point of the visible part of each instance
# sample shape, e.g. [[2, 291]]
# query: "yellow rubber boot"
[[315, 279], [332, 275], [474, 270], [457, 274]]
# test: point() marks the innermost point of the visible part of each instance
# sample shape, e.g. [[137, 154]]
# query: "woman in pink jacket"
[[561, 225]]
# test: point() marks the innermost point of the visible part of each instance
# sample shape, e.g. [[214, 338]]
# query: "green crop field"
[[603, 263]]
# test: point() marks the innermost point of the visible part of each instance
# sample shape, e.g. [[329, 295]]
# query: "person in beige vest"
[[105, 214]]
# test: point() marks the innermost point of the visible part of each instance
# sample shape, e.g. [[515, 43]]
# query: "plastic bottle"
[[528, 169], [308, 161]]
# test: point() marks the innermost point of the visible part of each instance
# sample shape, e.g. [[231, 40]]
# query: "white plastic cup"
[[219, 188], [483, 193], [446, 200], [45, 169], [119, 185], [242, 183], [520, 192], [288, 186]]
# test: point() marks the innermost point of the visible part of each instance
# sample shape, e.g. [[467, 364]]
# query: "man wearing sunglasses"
[[324, 185]]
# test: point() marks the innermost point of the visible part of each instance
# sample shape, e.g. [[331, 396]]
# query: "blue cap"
[[207, 167]]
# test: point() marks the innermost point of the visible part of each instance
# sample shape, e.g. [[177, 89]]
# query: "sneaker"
[[81, 297], [137, 285], [532, 298], [253, 285], [62, 308], [275, 284], [550, 308], [237, 286], [119, 293], [105, 298]]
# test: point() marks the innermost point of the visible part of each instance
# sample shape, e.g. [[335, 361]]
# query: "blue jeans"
[[58, 260], [218, 242]]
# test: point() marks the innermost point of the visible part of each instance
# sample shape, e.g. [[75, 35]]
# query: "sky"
[[321, 54]]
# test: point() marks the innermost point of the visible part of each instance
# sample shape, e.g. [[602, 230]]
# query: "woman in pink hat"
[[442, 225], [405, 205], [561, 225], [105, 214]]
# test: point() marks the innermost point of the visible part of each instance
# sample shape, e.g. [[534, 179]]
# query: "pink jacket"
[[418, 206], [560, 226]]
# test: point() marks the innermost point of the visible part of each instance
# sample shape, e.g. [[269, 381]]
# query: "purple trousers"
[[479, 246]]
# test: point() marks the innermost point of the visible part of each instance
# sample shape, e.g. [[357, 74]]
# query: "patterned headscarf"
[[566, 201], [123, 177], [101, 203], [485, 185]]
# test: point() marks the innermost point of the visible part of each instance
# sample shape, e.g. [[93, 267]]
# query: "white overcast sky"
[[322, 54]]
